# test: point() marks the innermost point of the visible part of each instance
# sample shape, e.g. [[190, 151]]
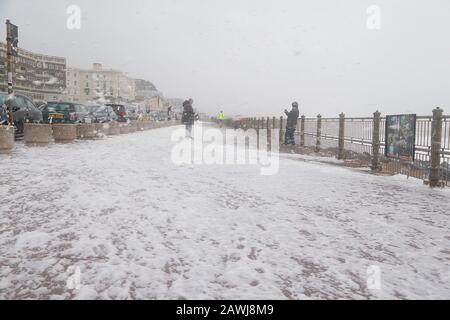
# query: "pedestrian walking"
[[221, 117], [188, 117], [291, 124]]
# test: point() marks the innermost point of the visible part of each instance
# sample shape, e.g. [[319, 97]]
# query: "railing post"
[[274, 123], [319, 132], [281, 130], [302, 131], [258, 124], [376, 142], [341, 136], [436, 140]]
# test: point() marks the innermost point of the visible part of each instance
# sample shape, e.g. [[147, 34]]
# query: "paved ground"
[[137, 226]]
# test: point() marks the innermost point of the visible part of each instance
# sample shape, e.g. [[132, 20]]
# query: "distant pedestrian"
[[291, 124], [221, 117], [188, 116], [169, 113]]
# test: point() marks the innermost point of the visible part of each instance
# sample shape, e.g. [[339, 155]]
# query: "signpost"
[[400, 136], [12, 40]]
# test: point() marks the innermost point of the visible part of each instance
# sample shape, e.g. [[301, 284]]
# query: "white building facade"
[[98, 85]]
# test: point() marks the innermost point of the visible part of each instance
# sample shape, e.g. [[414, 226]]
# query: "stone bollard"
[[140, 126], [133, 126], [86, 131], [36, 134], [64, 133], [105, 128], [6, 139], [124, 128], [100, 129], [114, 129]]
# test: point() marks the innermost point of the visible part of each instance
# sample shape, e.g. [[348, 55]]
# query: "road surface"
[[117, 219]]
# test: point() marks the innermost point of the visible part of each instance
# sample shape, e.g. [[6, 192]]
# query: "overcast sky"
[[253, 57]]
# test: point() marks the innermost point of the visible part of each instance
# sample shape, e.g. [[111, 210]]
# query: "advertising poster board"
[[400, 136]]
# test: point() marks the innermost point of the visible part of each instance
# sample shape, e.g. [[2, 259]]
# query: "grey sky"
[[253, 57]]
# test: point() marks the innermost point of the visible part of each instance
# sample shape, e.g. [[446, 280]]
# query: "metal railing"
[[358, 142], [358, 136]]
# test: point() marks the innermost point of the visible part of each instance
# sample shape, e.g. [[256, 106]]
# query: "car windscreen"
[[118, 108], [58, 107], [93, 108], [99, 110], [80, 108]]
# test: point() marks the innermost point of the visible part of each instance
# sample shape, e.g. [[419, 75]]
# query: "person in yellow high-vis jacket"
[[221, 117]]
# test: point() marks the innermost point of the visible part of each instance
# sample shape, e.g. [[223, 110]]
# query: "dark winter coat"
[[292, 117], [188, 116]]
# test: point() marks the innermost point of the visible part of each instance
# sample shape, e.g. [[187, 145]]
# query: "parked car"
[[65, 112], [124, 111], [133, 112], [23, 110], [158, 115], [39, 103], [120, 110], [102, 114]]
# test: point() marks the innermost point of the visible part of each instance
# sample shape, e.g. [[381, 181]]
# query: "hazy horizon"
[[255, 57]]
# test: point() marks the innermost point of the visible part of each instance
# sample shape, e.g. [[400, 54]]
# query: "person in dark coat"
[[291, 124], [188, 116]]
